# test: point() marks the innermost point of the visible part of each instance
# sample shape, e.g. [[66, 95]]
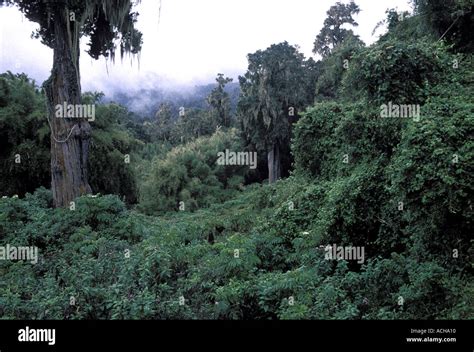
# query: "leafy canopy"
[[332, 34]]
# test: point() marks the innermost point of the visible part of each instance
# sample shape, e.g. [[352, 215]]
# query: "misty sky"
[[194, 40]]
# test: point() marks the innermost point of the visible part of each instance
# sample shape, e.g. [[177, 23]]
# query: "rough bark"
[[69, 136], [274, 163]]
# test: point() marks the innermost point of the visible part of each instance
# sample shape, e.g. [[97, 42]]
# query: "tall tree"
[[108, 24], [273, 90], [333, 34], [219, 100]]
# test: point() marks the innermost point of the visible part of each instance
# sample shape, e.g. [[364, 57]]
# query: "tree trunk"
[[69, 136], [274, 163]]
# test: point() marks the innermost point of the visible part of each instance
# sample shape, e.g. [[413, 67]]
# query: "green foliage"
[[219, 101], [432, 173], [395, 71], [334, 67], [449, 19], [190, 174], [117, 264], [420, 252], [271, 88], [164, 122], [192, 124], [24, 142], [111, 153], [331, 133], [333, 33], [405, 27]]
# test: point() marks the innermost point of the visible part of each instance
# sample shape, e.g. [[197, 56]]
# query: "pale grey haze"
[[190, 42]]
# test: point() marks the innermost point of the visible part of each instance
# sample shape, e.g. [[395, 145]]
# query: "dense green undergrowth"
[[256, 256]]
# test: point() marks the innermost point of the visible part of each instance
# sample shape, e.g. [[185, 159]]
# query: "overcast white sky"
[[194, 40]]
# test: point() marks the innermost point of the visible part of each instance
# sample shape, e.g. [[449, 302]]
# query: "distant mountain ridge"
[[145, 102]]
